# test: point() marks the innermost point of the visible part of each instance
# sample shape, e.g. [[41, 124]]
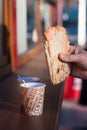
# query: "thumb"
[[69, 58]]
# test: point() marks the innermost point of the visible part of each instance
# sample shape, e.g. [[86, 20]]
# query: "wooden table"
[[11, 117]]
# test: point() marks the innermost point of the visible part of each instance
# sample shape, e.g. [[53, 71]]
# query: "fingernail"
[[62, 56]]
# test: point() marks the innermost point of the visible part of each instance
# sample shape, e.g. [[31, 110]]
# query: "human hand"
[[77, 61]]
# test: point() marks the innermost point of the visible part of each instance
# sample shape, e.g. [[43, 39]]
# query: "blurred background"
[[22, 23]]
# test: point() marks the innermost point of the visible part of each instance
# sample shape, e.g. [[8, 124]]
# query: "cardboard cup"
[[32, 98]]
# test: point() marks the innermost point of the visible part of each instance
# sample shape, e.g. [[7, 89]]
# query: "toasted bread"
[[56, 42]]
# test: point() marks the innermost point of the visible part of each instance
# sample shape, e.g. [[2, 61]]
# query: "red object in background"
[[72, 88]]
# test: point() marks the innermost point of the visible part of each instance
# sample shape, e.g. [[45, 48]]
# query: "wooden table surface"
[[11, 117]]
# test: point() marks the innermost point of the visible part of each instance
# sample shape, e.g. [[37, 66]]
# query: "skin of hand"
[[77, 60]]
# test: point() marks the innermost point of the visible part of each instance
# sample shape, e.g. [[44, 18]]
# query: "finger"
[[69, 58], [77, 50], [74, 50], [83, 51]]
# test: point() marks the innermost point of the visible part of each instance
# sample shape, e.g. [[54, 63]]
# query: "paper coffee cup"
[[32, 98]]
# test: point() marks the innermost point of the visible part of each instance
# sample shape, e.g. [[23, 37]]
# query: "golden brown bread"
[[56, 42]]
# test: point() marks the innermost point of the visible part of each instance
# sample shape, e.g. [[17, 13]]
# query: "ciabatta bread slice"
[[56, 42]]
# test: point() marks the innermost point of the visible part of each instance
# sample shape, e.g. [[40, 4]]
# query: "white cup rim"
[[33, 85]]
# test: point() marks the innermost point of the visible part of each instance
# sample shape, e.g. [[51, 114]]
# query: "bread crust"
[[56, 42]]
